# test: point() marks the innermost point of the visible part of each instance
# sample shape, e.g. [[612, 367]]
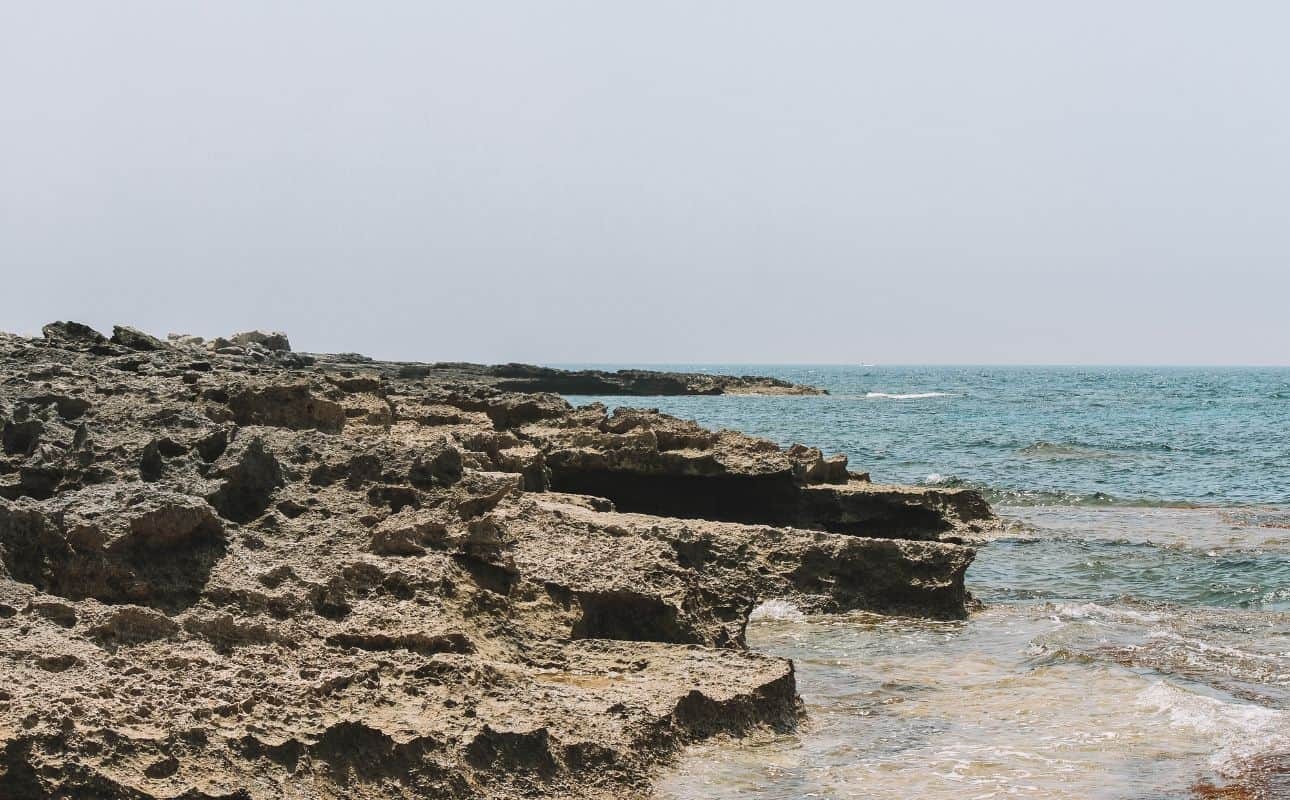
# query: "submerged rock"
[[238, 574]]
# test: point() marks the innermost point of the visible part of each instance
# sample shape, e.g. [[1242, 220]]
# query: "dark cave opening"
[[775, 500], [753, 500]]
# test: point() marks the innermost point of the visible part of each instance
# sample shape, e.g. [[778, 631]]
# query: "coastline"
[[1180, 603], [1081, 663], [293, 569]]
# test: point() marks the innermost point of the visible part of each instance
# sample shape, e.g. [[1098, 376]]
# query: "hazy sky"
[[912, 181]]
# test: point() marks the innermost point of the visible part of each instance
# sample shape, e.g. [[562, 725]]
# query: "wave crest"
[[912, 396], [1240, 731], [1004, 496]]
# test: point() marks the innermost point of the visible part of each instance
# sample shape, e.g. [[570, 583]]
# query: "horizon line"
[[1137, 365]]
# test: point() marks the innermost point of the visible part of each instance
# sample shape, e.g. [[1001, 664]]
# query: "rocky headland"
[[625, 382], [228, 570]]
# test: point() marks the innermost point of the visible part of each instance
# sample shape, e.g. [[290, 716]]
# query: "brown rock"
[[239, 572]]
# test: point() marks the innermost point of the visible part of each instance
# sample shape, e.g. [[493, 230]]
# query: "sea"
[[1133, 635]]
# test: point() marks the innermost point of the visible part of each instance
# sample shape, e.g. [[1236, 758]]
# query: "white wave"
[[1095, 611], [1201, 646], [776, 611], [915, 396], [1239, 730]]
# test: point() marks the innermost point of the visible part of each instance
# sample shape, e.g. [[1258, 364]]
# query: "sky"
[[664, 182]]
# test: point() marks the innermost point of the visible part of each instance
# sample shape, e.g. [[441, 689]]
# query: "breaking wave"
[[776, 611], [1003, 496], [1098, 611], [1239, 731], [913, 396]]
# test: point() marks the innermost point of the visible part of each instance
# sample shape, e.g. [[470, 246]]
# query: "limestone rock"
[[237, 572], [270, 340], [287, 406]]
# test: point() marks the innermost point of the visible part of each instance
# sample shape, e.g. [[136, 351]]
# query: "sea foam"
[[1240, 731], [914, 396], [775, 611]]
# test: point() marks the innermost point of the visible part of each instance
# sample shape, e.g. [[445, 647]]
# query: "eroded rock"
[[286, 406], [231, 571], [269, 340]]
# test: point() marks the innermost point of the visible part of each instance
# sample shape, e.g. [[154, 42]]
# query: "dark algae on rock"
[[228, 570]]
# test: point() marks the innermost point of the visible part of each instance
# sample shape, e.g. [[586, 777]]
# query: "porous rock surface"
[[232, 571]]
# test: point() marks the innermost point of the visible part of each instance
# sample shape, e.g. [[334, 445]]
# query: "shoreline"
[[1055, 661], [357, 576]]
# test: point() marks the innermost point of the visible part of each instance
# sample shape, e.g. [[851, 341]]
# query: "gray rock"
[[135, 339], [270, 340], [73, 333]]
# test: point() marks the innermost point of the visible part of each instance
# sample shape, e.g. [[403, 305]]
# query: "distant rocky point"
[[229, 570], [506, 377], [527, 378]]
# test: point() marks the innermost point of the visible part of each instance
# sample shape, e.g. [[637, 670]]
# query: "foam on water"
[[1135, 640], [1114, 697], [911, 396], [1239, 731], [777, 610], [1096, 611]]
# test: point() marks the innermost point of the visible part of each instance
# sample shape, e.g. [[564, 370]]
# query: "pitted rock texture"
[[228, 570]]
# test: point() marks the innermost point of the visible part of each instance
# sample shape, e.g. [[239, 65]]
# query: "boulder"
[[72, 333], [269, 340], [135, 339]]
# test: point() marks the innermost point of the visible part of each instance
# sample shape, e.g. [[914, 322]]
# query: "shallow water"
[[1134, 640], [1059, 688]]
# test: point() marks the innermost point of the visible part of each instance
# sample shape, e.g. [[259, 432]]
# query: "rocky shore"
[[228, 570], [627, 382]]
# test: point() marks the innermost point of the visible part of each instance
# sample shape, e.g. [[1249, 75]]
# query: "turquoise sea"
[[1134, 635]]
